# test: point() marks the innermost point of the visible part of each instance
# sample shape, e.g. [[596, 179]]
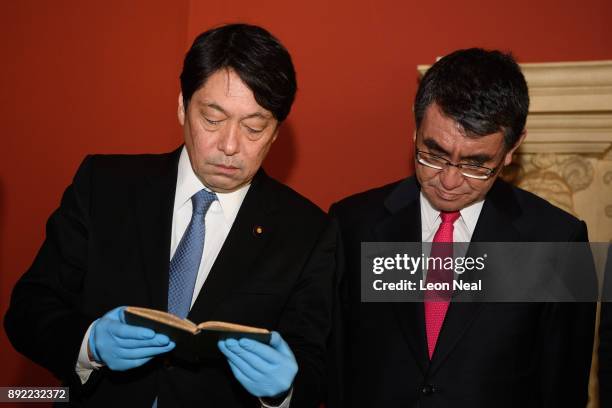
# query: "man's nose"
[[451, 177], [229, 142]]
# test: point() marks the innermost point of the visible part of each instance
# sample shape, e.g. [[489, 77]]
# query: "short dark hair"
[[258, 58], [483, 91]]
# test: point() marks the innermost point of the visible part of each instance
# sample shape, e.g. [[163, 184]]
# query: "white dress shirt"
[[462, 231], [464, 226], [219, 218]]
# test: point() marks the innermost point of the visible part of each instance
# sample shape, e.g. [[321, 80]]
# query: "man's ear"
[[275, 134], [510, 153], [181, 110]]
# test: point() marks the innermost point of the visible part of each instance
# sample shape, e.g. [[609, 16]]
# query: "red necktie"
[[437, 302]]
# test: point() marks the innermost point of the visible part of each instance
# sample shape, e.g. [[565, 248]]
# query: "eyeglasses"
[[440, 163]]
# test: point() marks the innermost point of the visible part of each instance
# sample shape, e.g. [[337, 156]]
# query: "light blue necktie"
[[186, 260]]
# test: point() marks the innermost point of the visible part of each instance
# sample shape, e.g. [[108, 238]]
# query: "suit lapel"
[[240, 249], [498, 217], [154, 217], [496, 223], [403, 224]]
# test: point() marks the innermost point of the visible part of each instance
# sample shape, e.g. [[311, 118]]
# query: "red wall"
[[76, 77], [351, 128], [102, 76]]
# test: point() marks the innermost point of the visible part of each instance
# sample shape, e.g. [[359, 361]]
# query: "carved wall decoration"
[[554, 177]]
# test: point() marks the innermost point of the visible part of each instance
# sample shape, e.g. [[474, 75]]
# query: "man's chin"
[[221, 183], [447, 205]]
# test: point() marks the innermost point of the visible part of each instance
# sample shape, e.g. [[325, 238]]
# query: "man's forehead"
[[225, 82], [224, 91], [461, 138], [234, 85], [259, 112], [441, 130], [462, 147]]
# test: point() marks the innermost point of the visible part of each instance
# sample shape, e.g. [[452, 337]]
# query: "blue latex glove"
[[264, 370], [121, 346]]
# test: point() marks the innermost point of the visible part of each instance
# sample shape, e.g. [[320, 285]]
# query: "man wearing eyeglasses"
[[470, 114]]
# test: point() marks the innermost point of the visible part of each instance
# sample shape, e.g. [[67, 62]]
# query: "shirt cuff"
[[84, 366], [284, 404]]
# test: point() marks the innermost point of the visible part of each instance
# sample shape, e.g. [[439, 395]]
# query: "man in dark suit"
[[470, 111], [605, 336], [202, 232]]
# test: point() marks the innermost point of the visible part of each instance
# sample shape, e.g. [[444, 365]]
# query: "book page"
[[232, 327], [164, 317]]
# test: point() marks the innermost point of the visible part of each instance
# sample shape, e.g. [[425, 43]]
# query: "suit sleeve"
[[336, 346], [306, 321], [605, 337], [43, 321], [565, 342]]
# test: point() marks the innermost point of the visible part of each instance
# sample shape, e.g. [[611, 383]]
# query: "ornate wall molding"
[[571, 108], [569, 86]]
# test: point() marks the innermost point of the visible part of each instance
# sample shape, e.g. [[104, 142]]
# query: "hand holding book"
[[121, 346], [265, 370], [194, 342]]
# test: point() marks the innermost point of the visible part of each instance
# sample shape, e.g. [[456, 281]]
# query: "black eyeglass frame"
[[460, 166]]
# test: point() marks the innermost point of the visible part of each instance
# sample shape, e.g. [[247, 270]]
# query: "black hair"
[[258, 58], [483, 91]]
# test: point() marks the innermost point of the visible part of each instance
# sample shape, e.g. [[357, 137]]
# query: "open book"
[[194, 342]]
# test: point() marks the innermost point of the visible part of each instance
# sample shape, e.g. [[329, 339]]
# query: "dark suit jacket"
[[487, 354], [605, 336], [108, 245]]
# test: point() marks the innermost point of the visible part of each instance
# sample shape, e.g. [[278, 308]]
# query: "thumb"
[[120, 313], [116, 314], [280, 345]]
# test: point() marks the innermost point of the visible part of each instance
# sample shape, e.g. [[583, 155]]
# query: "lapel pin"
[[258, 230]]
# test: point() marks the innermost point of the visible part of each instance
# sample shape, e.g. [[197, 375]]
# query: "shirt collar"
[[187, 184], [430, 216]]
